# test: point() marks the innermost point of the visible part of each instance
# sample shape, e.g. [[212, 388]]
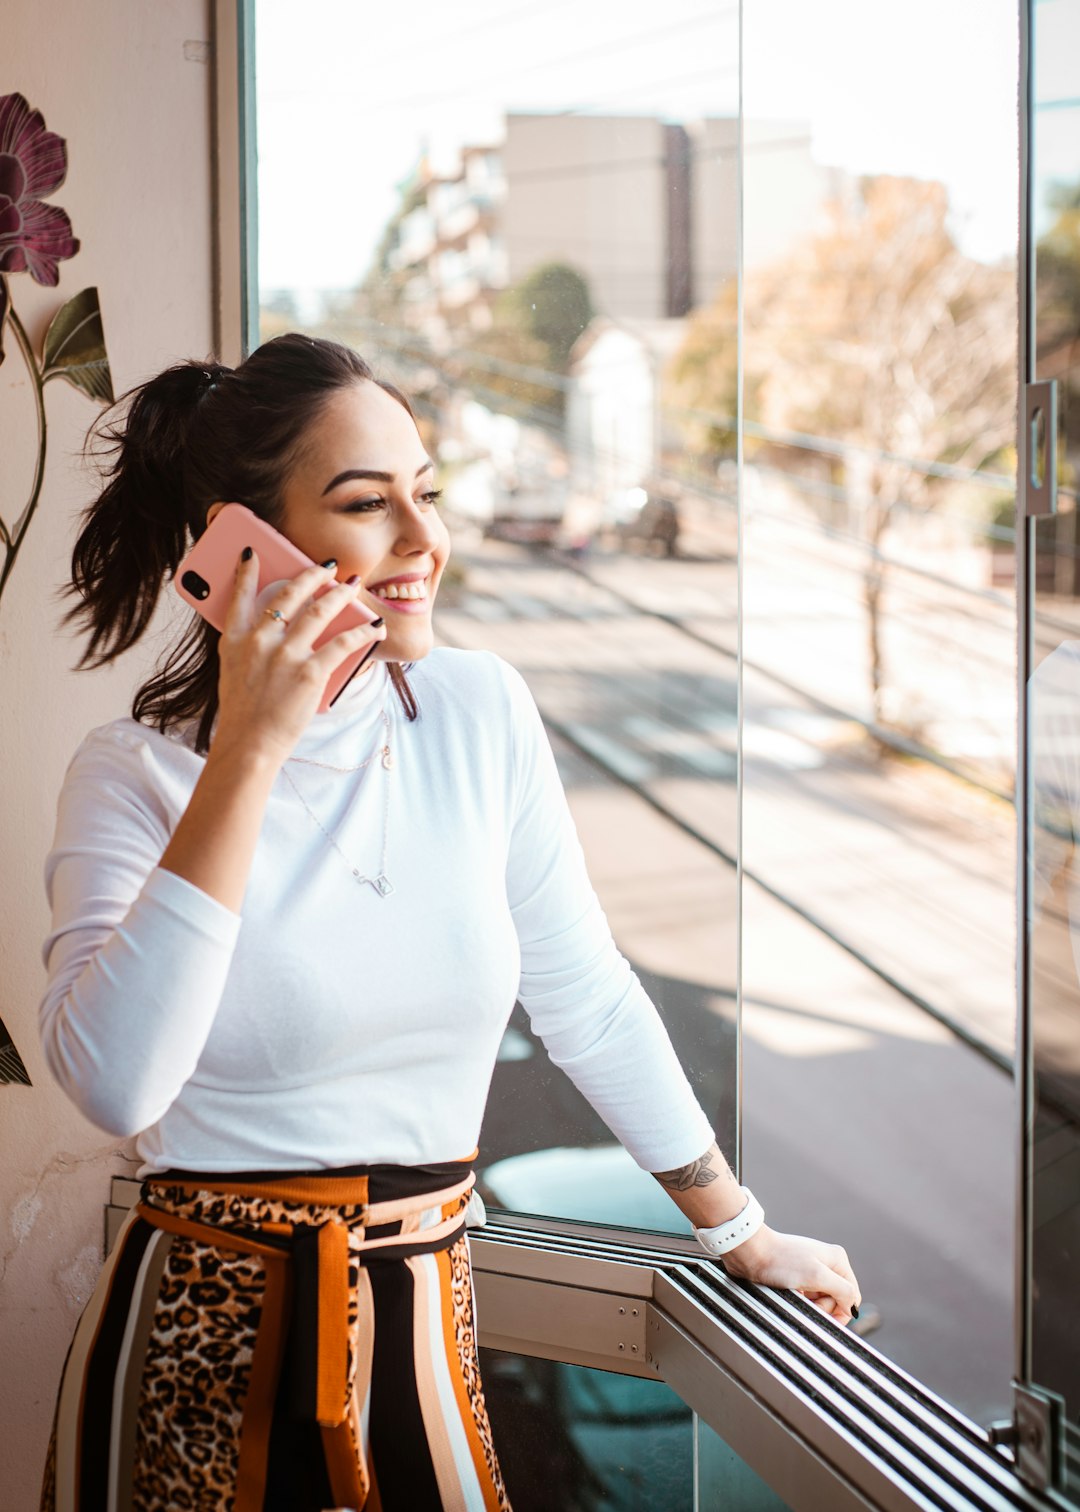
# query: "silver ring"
[[277, 615]]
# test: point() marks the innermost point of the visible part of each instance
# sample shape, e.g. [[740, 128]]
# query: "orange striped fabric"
[[321, 1325]]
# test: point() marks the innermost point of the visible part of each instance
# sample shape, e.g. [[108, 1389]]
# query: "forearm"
[[213, 845], [705, 1190]]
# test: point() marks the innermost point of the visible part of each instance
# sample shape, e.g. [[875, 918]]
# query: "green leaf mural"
[[75, 347]]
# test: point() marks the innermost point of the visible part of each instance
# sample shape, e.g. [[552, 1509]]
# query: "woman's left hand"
[[821, 1272]]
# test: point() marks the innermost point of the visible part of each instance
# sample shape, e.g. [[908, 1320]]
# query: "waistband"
[[307, 1253], [384, 1181]]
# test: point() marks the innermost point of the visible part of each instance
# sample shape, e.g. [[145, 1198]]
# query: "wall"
[[129, 86]]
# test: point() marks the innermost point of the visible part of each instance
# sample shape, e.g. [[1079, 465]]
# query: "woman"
[[285, 945]]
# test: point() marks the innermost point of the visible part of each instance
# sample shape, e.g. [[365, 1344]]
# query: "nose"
[[420, 529]]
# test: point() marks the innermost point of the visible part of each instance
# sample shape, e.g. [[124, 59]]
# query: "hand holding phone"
[[206, 579]]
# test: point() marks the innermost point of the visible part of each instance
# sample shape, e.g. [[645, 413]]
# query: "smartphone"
[[205, 578]]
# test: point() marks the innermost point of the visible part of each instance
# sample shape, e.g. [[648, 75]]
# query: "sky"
[[349, 94]]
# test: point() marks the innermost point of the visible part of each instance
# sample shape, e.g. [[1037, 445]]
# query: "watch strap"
[[725, 1236]]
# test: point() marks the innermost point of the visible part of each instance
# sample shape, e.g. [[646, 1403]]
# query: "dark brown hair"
[[196, 434]]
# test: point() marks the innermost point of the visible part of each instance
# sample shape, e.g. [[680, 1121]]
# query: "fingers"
[[309, 618], [820, 1272], [238, 614], [296, 600], [339, 646], [834, 1288], [241, 617], [841, 1265]]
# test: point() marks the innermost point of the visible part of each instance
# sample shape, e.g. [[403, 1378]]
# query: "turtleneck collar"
[[357, 708]]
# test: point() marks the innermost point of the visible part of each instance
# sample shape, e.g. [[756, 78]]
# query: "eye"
[[432, 496], [362, 506]]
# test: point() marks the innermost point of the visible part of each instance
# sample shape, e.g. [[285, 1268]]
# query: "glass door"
[[1049, 1337]]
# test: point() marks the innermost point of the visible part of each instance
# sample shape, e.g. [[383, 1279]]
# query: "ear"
[[212, 511]]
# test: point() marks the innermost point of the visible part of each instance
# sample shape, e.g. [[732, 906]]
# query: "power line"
[[802, 440], [547, 419], [602, 50], [612, 165], [383, 60], [651, 86]]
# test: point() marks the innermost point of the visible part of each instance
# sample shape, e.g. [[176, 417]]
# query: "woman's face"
[[364, 492]]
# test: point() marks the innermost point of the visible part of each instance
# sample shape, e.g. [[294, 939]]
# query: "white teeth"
[[402, 591]]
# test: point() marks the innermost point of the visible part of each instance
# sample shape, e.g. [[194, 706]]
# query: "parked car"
[[646, 517]]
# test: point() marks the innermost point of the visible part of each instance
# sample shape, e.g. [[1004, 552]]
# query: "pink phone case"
[[205, 578]]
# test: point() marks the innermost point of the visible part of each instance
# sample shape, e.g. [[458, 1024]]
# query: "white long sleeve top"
[[325, 1025]]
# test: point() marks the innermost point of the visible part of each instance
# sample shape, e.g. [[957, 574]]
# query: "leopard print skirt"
[[292, 1341]]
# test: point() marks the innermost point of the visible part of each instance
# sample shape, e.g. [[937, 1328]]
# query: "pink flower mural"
[[36, 238]]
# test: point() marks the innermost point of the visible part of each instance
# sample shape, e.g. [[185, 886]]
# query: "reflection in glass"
[[726, 1481], [879, 386], [1054, 728], [524, 254], [575, 1439]]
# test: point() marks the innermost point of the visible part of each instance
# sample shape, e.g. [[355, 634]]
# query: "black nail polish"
[[375, 623], [330, 562], [854, 1312], [246, 554]]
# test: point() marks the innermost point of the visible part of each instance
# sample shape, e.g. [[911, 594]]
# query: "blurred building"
[[640, 207], [612, 407]]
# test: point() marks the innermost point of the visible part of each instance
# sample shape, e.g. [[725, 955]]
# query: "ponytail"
[[136, 531]]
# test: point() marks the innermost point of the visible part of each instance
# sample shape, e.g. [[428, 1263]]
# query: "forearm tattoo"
[[697, 1173]]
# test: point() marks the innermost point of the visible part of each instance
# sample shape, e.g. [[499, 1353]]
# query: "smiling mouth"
[[413, 592]]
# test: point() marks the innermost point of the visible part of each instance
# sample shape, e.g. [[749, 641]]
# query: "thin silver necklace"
[[381, 882]]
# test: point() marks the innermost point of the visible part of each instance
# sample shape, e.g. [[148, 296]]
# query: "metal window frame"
[[234, 180], [1046, 1444], [1024, 1059], [823, 1418]]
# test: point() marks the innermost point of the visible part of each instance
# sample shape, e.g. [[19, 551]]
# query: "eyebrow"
[[372, 473]]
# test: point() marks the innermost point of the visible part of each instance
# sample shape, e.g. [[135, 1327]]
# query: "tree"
[[876, 330], [554, 306], [701, 386], [1057, 299], [524, 354]]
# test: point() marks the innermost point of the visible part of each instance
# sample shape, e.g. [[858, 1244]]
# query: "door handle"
[[1038, 480]]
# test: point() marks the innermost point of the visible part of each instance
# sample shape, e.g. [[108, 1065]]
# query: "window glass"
[[1054, 725], [517, 214], [575, 1438], [879, 359]]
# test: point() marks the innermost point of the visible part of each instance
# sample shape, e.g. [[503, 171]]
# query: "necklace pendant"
[[387, 758], [382, 885]]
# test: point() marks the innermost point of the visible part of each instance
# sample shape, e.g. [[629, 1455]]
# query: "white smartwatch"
[[725, 1236]]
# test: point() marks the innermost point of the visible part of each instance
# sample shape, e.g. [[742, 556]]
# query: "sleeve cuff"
[[188, 902], [689, 1144]]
